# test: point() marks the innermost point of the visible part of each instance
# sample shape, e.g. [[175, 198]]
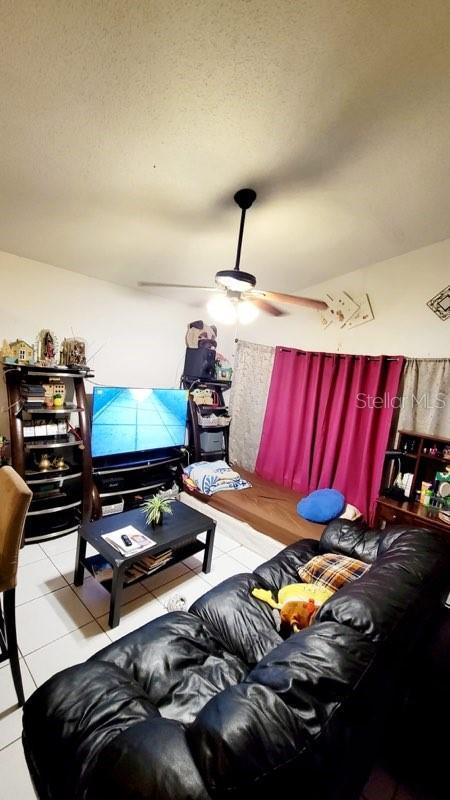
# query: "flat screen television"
[[137, 420]]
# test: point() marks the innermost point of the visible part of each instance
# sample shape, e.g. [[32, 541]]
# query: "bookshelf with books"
[[49, 433]]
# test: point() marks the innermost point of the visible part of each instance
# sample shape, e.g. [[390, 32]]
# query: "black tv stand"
[[123, 482]]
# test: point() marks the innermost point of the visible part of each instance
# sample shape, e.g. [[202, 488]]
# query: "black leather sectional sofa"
[[212, 703]]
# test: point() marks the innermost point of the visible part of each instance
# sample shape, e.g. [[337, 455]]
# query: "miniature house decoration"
[[18, 352]]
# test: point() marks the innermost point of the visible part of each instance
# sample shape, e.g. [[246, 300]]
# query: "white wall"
[[398, 289], [139, 338]]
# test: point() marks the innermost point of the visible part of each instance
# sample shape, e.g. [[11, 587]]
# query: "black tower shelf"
[[198, 419], [61, 497]]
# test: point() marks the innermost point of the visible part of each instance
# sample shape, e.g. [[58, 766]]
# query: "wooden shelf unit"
[[61, 498], [424, 466]]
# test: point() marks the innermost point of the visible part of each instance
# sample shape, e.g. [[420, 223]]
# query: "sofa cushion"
[[332, 570], [268, 726], [177, 661], [84, 708], [283, 568], [150, 760], [245, 626], [351, 539]]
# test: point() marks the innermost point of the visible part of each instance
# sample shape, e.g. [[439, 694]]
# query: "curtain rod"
[[336, 355]]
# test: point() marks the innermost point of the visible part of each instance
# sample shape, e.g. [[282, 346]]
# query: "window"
[[22, 354]]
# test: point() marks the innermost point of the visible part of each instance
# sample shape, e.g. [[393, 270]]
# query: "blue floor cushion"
[[322, 505]]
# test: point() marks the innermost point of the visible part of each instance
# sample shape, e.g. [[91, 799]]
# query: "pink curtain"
[[327, 423]]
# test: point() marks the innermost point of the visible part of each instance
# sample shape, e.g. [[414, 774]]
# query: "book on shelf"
[[147, 564], [139, 541], [33, 394], [35, 389]]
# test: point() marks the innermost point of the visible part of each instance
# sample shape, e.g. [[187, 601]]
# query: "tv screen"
[[133, 420]]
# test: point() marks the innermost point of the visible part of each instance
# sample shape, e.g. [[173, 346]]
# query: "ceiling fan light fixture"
[[235, 280], [247, 312], [222, 309]]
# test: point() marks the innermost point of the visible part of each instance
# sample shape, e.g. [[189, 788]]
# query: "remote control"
[[126, 540]]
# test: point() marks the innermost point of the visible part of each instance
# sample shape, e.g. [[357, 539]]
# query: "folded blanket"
[[210, 477], [199, 471]]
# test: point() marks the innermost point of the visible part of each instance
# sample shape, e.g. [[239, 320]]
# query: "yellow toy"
[[297, 603]]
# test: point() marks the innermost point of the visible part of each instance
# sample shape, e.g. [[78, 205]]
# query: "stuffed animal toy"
[[201, 335], [297, 603]]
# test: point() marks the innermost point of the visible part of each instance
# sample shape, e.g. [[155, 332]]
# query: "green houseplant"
[[155, 508]]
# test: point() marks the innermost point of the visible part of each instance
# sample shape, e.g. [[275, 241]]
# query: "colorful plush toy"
[[297, 603]]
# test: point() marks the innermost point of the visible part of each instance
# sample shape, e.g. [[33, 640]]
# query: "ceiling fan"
[[235, 294]]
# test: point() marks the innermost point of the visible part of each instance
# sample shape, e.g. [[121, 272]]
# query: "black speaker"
[[200, 363]]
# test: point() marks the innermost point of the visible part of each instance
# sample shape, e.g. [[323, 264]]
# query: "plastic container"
[[427, 497]]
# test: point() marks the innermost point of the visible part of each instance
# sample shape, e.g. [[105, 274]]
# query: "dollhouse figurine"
[[18, 352]]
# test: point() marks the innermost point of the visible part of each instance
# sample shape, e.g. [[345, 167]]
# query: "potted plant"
[[155, 508], [58, 400]]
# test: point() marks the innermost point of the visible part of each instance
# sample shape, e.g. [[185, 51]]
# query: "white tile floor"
[[59, 625]]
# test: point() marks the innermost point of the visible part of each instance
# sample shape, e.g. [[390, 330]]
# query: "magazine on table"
[[139, 541]]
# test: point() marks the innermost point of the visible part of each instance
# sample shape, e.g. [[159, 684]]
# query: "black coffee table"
[[178, 532]]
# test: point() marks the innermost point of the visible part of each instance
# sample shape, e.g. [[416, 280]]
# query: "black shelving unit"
[[61, 497], [199, 429], [119, 486]]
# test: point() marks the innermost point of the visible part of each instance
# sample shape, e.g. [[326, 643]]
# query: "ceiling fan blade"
[[150, 284], [263, 305], [278, 297]]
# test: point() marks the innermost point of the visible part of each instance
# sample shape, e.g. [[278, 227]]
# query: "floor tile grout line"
[[52, 591], [77, 628], [38, 597], [31, 674], [71, 586], [19, 738], [58, 639]]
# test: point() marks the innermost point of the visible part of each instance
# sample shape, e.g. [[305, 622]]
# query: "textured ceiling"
[[126, 126]]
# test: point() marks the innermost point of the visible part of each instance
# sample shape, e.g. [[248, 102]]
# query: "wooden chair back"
[[15, 498]]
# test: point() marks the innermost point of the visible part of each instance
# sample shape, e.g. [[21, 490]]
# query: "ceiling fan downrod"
[[244, 198]]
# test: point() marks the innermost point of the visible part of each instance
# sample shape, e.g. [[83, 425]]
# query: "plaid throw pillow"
[[332, 570]]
